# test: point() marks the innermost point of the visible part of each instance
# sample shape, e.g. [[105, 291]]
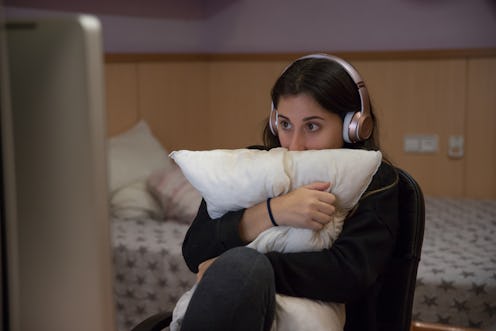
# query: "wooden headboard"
[[206, 101]]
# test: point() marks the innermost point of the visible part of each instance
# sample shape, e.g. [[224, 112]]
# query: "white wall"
[[306, 25], [279, 25]]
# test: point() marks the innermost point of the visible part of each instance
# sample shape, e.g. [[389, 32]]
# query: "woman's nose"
[[297, 142]]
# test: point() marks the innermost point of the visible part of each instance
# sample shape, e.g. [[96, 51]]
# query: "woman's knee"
[[237, 292], [246, 261]]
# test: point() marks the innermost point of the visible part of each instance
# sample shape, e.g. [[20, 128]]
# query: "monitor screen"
[[57, 231]]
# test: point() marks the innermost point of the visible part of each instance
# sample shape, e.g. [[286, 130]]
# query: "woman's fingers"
[[322, 209], [325, 209], [325, 197], [310, 206], [202, 268], [319, 186]]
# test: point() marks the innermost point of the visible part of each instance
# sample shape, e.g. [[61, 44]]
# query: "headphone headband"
[[357, 125]]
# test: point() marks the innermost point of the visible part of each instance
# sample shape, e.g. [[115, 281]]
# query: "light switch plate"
[[456, 146]]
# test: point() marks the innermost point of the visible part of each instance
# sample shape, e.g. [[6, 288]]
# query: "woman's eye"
[[285, 125], [312, 127]]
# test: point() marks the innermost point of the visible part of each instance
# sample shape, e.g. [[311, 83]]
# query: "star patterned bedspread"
[[150, 272], [456, 280]]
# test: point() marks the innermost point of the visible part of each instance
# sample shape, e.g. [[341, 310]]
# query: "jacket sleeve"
[[357, 258], [207, 238]]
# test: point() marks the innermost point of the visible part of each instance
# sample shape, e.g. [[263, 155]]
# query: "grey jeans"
[[236, 293]]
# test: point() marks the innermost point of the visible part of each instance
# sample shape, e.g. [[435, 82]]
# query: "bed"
[[456, 281], [152, 205]]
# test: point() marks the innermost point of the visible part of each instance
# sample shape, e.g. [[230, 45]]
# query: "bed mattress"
[[456, 281], [150, 273]]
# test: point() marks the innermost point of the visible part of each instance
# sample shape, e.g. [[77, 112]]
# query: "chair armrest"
[[155, 322]]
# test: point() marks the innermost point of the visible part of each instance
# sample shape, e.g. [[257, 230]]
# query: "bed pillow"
[[234, 179], [134, 155], [134, 201], [178, 198]]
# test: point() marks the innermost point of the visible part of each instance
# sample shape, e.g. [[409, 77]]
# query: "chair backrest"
[[395, 299]]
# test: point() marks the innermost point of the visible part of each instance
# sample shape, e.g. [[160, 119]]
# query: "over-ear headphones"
[[358, 125]]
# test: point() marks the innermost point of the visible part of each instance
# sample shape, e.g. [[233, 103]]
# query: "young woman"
[[319, 102]]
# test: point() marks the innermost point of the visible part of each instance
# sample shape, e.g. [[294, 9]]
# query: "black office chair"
[[395, 300]]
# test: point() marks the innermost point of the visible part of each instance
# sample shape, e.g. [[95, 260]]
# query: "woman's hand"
[[203, 267], [310, 207]]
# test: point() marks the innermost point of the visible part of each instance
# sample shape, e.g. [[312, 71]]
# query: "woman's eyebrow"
[[309, 118], [313, 118]]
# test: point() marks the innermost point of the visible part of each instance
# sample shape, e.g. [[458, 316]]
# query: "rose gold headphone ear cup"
[[365, 127], [357, 127]]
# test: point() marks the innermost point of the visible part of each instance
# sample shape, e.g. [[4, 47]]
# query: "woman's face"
[[304, 124]]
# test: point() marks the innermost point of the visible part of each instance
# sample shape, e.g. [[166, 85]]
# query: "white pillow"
[[178, 198], [135, 201], [234, 179], [134, 155]]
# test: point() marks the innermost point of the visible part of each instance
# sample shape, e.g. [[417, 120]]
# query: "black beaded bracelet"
[[270, 213]]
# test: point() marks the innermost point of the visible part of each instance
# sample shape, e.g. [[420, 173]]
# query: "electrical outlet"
[[420, 143], [411, 143], [428, 143]]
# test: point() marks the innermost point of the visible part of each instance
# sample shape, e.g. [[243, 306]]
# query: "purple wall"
[[224, 26]]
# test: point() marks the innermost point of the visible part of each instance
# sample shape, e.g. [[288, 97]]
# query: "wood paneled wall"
[[222, 101], [480, 128]]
